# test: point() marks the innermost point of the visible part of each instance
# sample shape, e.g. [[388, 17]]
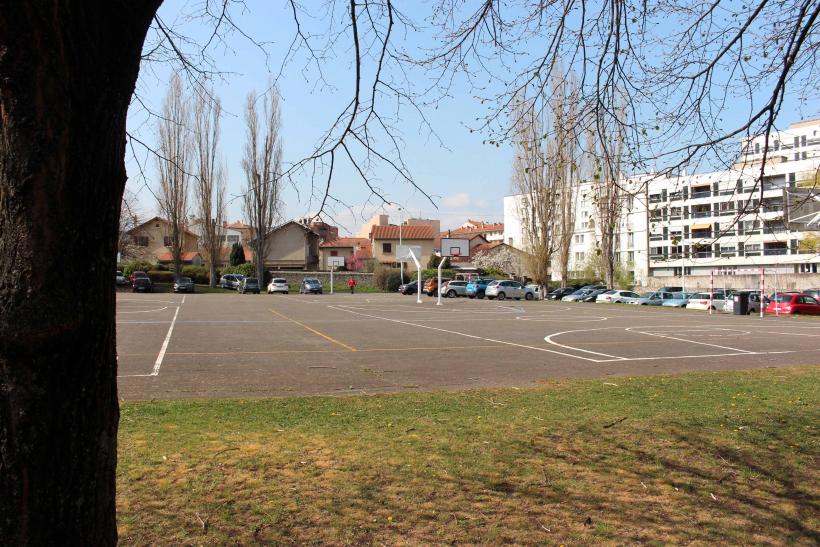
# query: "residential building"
[[325, 231], [490, 231], [152, 242], [691, 224], [292, 246], [347, 247], [375, 220], [385, 241]]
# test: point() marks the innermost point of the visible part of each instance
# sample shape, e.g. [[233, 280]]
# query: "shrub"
[[387, 279], [248, 269], [136, 266], [237, 255], [433, 272], [162, 267], [199, 274], [160, 276]]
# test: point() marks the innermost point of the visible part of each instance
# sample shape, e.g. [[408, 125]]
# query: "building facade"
[[733, 219]]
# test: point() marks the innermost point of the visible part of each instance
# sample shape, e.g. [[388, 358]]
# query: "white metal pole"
[[440, 264], [331, 278], [401, 264], [418, 282], [762, 290]]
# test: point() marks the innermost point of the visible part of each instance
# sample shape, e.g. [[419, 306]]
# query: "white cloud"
[[457, 201]]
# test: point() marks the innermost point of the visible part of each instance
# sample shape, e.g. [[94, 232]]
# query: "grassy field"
[[714, 458]]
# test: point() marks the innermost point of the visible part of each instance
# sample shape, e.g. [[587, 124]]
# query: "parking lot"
[[230, 345]]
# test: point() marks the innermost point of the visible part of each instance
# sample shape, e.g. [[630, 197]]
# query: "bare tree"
[[565, 167], [262, 164], [173, 162], [209, 188], [130, 218], [608, 195], [537, 196]]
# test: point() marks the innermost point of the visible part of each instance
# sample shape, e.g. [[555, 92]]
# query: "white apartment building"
[[693, 224]]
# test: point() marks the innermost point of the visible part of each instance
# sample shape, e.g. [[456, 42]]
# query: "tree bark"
[[67, 74]]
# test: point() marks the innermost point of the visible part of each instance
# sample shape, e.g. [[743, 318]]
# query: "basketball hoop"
[[456, 252]]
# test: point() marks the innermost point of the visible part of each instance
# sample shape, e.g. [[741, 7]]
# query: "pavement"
[[230, 345]]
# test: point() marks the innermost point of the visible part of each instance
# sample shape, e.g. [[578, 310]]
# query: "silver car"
[[754, 302], [678, 300], [452, 289], [508, 289], [651, 298], [577, 295]]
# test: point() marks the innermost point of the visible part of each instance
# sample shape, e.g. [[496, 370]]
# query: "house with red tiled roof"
[[491, 231], [152, 241], [386, 239], [291, 246], [348, 247], [475, 241]]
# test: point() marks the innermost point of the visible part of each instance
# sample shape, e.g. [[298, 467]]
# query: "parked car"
[[754, 301], [183, 284], [592, 296], [476, 287], [615, 296], [790, 303], [249, 284], [558, 294], [452, 289], [142, 284], [700, 301], [678, 300], [813, 293], [278, 284], [231, 281], [508, 289], [310, 285], [431, 285], [135, 275], [121, 279], [578, 295], [654, 298], [409, 288], [670, 289]]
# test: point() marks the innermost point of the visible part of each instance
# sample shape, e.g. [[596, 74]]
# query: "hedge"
[[161, 277], [199, 274], [136, 266]]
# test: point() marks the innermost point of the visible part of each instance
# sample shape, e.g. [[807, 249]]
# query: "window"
[[387, 248], [777, 144], [141, 241], [803, 140], [334, 253], [796, 156], [579, 238], [757, 148], [579, 257], [510, 241], [631, 256], [803, 155], [630, 240], [233, 239], [796, 142], [167, 241]]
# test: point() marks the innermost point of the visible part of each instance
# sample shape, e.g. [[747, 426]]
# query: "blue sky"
[[464, 177], [467, 179]]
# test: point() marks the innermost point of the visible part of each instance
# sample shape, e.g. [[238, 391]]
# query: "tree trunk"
[[67, 74], [212, 274]]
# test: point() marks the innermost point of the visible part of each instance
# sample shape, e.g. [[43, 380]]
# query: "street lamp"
[[401, 263]]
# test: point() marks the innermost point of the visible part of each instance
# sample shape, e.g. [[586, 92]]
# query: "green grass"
[[709, 458]]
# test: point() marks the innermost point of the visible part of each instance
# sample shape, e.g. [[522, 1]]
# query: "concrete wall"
[[701, 282], [362, 279]]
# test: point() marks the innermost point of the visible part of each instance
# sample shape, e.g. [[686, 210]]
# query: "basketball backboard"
[[337, 261], [403, 252], [451, 246]]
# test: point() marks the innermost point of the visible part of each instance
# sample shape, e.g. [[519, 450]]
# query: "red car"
[[791, 303], [135, 275]]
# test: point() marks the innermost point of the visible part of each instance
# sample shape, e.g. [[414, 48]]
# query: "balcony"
[[701, 214], [701, 194], [656, 237], [775, 252], [702, 254]]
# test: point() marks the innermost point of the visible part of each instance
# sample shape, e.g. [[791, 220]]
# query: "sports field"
[[230, 345]]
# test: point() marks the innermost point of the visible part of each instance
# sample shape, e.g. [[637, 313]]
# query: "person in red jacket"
[[352, 284]]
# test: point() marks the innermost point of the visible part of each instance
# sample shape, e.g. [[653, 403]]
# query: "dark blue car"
[[476, 287]]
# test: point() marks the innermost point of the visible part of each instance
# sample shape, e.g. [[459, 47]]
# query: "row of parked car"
[[750, 301], [501, 289]]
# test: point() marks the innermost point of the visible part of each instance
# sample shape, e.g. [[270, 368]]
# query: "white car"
[[701, 301], [278, 284], [615, 297]]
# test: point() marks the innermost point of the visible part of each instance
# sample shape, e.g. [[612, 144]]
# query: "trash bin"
[[741, 303]]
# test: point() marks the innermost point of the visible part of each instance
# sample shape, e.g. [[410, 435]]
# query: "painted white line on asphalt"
[[465, 334], [183, 298], [549, 340], [694, 356], [143, 311], [164, 348], [632, 329]]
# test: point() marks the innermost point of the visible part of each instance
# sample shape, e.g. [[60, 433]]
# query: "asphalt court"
[[231, 345]]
